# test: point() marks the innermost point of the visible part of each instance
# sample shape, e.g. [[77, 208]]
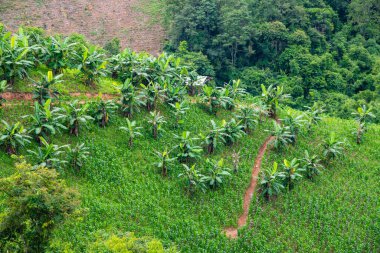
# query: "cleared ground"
[[132, 21]]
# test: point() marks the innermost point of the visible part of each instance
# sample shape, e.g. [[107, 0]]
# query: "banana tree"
[[93, 65], [132, 131], [247, 116], [77, 155], [332, 148], [12, 137], [74, 115], [14, 60], [58, 53], [233, 131], [217, 172], [294, 122], [236, 160], [174, 93], [152, 93], [45, 121], [226, 99], [195, 180], [261, 109], [48, 155], [156, 120], [3, 87], [282, 136], [211, 98], [230, 93], [271, 182], [123, 65], [311, 165], [272, 97], [186, 148], [102, 110], [313, 115], [292, 172], [131, 101], [214, 137], [164, 161], [235, 89], [362, 114], [179, 109], [42, 89]]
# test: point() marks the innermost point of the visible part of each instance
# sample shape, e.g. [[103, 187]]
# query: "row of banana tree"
[[48, 120], [274, 181], [29, 48], [285, 131]]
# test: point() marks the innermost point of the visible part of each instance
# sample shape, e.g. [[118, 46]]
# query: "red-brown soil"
[[99, 20], [232, 232], [29, 96]]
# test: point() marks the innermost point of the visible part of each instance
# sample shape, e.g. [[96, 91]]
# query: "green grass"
[[71, 82], [338, 212], [154, 9]]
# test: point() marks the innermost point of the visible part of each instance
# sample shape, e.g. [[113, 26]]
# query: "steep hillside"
[[161, 161], [131, 21]]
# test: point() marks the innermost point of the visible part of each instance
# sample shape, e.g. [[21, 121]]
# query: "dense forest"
[[321, 51]]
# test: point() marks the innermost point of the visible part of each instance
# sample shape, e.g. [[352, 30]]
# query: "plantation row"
[[273, 181], [47, 121], [30, 49]]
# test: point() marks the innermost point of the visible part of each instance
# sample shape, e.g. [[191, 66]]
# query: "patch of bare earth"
[[99, 20], [232, 232], [29, 96]]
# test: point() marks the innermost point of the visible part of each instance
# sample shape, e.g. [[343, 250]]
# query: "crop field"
[[109, 151], [121, 190]]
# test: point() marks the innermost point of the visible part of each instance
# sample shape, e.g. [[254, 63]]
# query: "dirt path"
[[232, 232], [29, 96]]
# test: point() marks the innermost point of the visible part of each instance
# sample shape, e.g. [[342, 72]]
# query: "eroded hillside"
[[99, 20]]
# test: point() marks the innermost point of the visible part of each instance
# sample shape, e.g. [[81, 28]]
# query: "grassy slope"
[[70, 82], [338, 212], [122, 190]]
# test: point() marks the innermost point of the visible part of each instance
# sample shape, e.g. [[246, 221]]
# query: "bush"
[[113, 46], [127, 243], [36, 202]]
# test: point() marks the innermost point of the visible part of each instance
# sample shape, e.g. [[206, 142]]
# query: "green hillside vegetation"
[[321, 51], [155, 169]]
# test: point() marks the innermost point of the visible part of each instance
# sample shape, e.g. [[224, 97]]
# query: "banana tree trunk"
[[164, 169], [358, 136], [11, 150], [155, 131], [131, 142], [210, 148], [75, 129]]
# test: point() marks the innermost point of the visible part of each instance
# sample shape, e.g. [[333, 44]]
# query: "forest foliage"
[[320, 51]]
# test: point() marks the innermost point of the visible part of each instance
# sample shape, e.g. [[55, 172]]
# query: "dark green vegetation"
[[320, 51], [160, 163]]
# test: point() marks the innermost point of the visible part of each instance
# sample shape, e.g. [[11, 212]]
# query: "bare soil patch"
[[99, 20], [232, 232], [29, 96]]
